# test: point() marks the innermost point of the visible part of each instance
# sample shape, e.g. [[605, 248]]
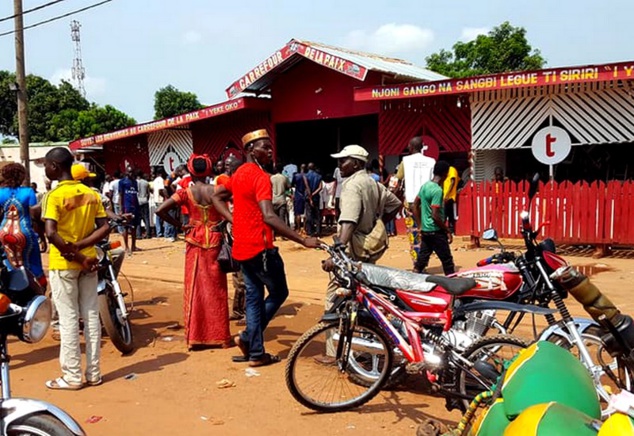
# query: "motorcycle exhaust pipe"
[[362, 345], [602, 310]]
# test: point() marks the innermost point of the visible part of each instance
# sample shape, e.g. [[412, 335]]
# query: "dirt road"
[[162, 389]]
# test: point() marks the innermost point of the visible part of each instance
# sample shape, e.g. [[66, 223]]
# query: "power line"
[[59, 17], [37, 8]]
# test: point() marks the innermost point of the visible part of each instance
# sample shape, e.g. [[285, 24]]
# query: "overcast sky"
[[131, 48]]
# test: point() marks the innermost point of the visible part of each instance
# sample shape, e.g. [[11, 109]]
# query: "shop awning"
[[350, 63], [172, 122], [493, 82]]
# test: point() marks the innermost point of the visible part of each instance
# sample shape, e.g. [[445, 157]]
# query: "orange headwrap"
[[208, 165]]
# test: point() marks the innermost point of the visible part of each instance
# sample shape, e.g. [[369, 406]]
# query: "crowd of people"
[[254, 201]]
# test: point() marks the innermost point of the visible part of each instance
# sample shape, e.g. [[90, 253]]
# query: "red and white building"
[[303, 94]]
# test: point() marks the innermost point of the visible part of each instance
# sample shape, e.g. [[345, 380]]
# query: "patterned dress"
[[20, 242], [206, 311]]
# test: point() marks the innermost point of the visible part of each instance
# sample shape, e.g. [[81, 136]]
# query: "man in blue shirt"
[[299, 197], [129, 204], [313, 191], [430, 218]]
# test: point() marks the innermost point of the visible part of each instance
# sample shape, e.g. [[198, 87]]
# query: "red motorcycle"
[[382, 314]]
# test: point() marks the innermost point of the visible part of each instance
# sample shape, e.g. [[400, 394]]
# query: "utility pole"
[[20, 77]]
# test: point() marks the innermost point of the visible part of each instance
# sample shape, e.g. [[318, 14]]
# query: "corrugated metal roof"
[[259, 79], [398, 67]]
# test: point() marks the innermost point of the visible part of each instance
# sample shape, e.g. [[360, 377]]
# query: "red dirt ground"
[[173, 391]]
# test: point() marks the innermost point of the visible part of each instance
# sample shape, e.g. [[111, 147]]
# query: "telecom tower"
[[79, 73]]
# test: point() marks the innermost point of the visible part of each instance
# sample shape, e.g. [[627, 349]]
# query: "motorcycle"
[[539, 285], [25, 313], [380, 309], [520, 284], [113, 309]]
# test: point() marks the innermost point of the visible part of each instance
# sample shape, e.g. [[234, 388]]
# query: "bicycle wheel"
[[326, 386], [604, 364], [487, 355]]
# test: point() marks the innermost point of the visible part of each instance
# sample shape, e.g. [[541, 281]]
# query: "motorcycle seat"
[[453, 285], [393, 278]]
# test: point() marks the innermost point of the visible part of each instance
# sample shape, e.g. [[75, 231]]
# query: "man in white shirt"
[[158, 194], [105, 190], [413, 172], [113, 194], [143, 195]]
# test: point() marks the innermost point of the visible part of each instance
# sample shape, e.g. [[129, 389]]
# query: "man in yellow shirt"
[[75, 221], [450, 192]]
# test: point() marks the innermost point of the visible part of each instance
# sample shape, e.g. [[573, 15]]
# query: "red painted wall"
[[439, 117], [311, 92], [212, 136], [134, 150]]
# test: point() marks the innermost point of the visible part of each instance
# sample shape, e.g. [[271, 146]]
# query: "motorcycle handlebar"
[[485, 262], [503, 257]]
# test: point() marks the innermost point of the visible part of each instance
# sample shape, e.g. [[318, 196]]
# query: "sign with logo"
[[171, 161], [324, 57], [551, 145]]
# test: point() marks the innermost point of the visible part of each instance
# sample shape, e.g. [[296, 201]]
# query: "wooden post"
[[20, 77]]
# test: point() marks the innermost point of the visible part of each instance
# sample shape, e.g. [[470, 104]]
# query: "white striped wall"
[[178, 141], [592, 113]]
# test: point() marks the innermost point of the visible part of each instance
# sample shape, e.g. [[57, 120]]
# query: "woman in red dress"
[[206, 312]]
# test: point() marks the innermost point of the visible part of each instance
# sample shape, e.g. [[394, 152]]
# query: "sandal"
[[97, 382], [267, 359], [61, 384]]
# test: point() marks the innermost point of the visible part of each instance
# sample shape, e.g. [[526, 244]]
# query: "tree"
[[56, 113], [503, 49], [169, 101], [72, 124]]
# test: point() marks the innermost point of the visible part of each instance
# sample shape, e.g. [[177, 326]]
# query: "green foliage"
[[503, 49], [73, 124], [56, 113], [169, 101]]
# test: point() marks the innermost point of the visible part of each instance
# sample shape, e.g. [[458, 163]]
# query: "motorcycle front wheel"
[[118, 329], [317, 373], [38, 424]]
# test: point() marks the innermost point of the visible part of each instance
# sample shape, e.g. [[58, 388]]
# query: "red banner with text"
[[153, 126], [553, 76], [321, 57]]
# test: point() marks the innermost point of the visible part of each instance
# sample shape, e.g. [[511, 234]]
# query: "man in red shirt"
[[254, 222]]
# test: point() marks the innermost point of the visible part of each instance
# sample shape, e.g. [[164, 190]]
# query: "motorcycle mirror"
[[100, 253], [534, 186], [490, 235]]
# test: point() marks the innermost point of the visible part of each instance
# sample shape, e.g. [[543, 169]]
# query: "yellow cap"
[[80, 172], [254, 136]]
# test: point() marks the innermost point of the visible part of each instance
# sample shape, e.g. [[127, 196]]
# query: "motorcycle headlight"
[[36, 320]]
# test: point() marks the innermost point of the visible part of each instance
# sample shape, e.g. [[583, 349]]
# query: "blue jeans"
[[265, 269], [117, 210], [170, 231], [158, 224]]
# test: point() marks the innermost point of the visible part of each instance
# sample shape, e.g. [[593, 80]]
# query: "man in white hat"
[[365, 205]]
